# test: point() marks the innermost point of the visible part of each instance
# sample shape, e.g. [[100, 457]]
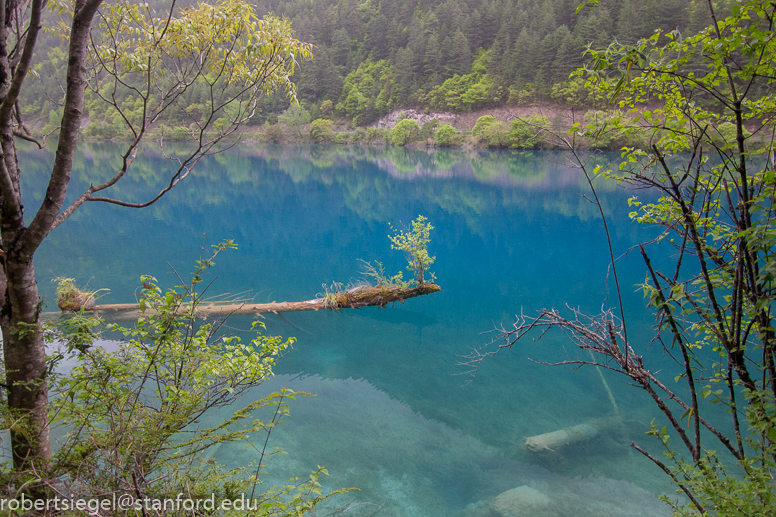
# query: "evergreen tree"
[[568, 58], [340, 48], [376, 40], [473, 30], [524, 58], [630, 23], [432, 61], [462, 60]]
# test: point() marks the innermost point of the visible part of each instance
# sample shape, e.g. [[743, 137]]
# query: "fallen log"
[[362, 296], [555, 440]]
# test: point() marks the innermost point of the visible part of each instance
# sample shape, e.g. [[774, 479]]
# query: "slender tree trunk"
[[25, 365], [23, 347]]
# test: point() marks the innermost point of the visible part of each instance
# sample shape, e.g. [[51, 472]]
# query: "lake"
[[396, 414]]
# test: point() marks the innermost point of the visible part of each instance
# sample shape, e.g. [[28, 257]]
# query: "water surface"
[[395, 414]]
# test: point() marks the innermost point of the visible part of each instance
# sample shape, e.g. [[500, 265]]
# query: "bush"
[[273, 133], [375, 134], [321, 131], [528, 133], [725, 135], [133, 415], [496, 134], [428, 129], [181, 133], [359, 135], [446, 135], [101, 130], [294, 118], [613, 130], [405, 132], [481, 124], [327, 108]]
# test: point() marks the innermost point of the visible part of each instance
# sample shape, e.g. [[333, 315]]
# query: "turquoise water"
[[395, 413]]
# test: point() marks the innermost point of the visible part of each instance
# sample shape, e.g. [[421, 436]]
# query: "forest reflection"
[[476, 181]]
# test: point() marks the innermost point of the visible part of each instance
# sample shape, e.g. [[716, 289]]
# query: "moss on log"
[[365, 296]]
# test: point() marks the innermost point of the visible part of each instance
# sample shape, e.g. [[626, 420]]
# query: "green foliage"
[[711, 193], [359, 135], [378, 275], [327, 108], [614, 130], [462, 93], [376, 134], [496, 135], [181, 133], [273, 133], [481, 124], [428, 129], [321, 131], [446, 135], [725, 135], [102, 131], [574, 93], [227, 57], [133, 417], [294, 118], [368, 92], [529, 133], [414, 243], [520, 56], [404, 132]]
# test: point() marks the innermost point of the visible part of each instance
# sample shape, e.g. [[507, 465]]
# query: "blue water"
[[396, 415]]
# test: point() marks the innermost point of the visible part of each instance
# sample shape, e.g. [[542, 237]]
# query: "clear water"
[[393, 415]]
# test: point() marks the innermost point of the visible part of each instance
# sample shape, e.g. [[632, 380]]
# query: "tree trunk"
[[23, 347], [376, 296], [25, 365]]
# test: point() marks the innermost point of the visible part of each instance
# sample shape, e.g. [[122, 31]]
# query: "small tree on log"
[[414, 243], [132, 52]]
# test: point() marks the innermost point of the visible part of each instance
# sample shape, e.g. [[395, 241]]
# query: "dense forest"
[[436, 55]]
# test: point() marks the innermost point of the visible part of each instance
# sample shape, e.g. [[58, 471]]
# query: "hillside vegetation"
[[374, 57]]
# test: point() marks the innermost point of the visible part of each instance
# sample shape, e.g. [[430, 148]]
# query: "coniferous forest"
[[373, 57]]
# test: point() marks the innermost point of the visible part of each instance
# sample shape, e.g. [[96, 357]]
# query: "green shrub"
[[428, 129], [101, 130], [137, 410], [375, 134], [612, 130], [295, 117], [496, 134], [180, 133], [404, 132], [446, 135], [481, 124], [273, 133], [528, 133], [321, 131], [725, 135], [327, 108], [359, 135]]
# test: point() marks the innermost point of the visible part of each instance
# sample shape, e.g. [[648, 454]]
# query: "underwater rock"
[[522, 501], [478, 509]]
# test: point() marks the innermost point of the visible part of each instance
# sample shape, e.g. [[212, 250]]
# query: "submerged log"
[[365, 296], [552, 442]]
